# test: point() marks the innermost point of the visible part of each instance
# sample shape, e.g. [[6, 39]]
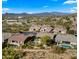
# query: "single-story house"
[[60, 30], [6, 36], [13, 21], [35, 28], [46, 28], [17, 39], [66, 38]]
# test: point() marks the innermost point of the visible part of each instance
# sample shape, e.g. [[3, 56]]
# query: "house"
[[17, 39], [46, 28], [13, 21], [35, 28], [66, 39], [6, 36], [41, 28], [60, 29]]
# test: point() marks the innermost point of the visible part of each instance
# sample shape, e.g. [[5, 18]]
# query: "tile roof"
[[18, 37], [66, 37]]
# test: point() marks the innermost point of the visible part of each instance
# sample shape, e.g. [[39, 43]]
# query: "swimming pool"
[[65, 45]]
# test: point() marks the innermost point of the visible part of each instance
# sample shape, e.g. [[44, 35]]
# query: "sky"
[[39, 6]]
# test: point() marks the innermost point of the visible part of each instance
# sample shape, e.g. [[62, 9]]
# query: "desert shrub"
[[8, 53], [4, 44], [58, 50], [71, 32], [18, 56], [74, 57], [27, 45], [45, 39], [41, 46], [12, 46], [24, 46]]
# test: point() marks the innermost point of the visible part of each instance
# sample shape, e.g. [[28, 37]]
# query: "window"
[[66, 42], [13, 41], [34, 29]]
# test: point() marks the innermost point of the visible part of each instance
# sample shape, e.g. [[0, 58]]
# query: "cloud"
[[30, 12], [70, 2], [5, 9], [74, 9], [4, 0], [71, 10], [45, 6]]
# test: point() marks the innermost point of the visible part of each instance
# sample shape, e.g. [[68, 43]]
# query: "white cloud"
[[74, 8], [71, 10], [5, 0], [45, 6], [30, 12], [70, 2], [5, 9]]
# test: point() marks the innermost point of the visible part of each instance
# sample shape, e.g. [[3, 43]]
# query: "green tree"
[[10, 53], [68, 24], [45, 39], [67, 18]]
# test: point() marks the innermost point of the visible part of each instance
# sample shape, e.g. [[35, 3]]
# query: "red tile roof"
[[18, 37]]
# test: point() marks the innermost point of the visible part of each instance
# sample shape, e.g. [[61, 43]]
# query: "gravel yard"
[[48, 54]]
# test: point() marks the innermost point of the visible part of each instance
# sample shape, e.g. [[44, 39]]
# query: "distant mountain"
[[15, 14], [36, 14], [51, 14]]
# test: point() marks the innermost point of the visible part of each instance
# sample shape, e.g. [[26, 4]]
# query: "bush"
[[10, 53], [24, 46], [27, 45], [71, 32], [74, 57], [41, 46], [18, 56], [45, 39], [58, 50]]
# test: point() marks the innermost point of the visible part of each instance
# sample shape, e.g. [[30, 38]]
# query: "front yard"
[[54, 52]]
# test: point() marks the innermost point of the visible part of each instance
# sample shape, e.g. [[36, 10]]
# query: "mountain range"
[[38, 14]]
